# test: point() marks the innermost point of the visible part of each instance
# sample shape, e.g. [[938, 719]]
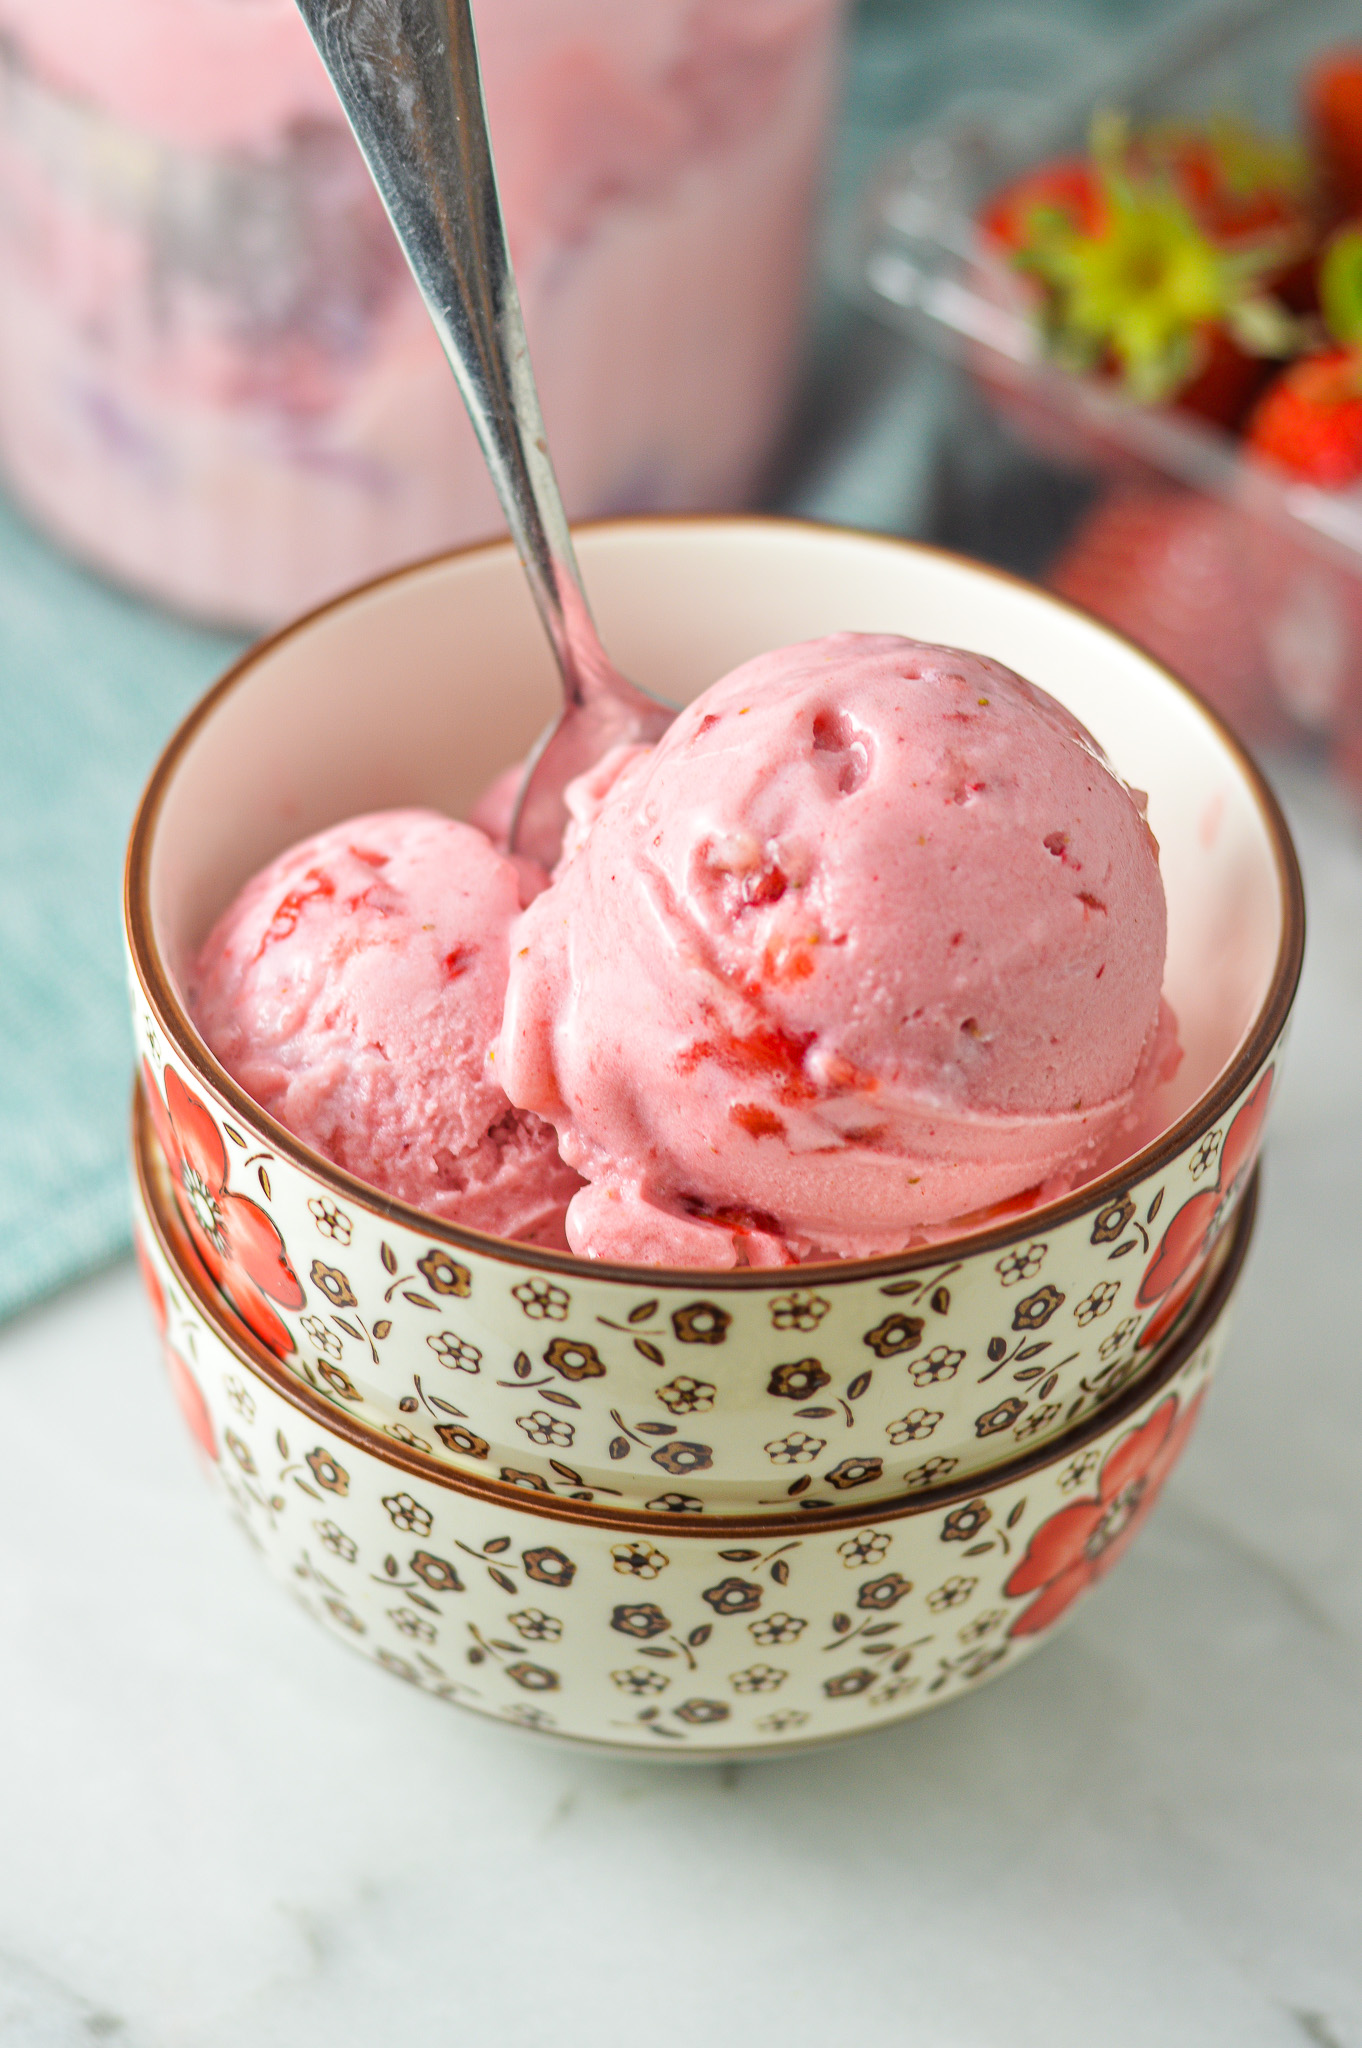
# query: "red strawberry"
[[1310, 420], [1068, 188], [1164, 566], [1333, 106]]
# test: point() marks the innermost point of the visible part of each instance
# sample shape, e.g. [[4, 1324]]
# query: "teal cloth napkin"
[[91, 681]]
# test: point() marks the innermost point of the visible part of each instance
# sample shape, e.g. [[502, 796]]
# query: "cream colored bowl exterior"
[[687, 1394], [699, 1637]]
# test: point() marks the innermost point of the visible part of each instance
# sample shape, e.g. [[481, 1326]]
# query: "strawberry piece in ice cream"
[[353, 990], [871, 943]]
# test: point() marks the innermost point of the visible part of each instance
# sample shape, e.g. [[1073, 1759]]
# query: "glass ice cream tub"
[[217, 382]]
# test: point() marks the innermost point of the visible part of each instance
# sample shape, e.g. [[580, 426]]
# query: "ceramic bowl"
[[682, 1393], [726, 1634]]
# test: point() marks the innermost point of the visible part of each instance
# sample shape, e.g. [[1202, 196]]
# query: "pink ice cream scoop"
[[353, 989], [869, 944]]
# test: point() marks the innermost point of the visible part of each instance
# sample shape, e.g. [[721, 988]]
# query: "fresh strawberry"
[[1152, 261], [1333, 106], [1165, 567], [1310, 421]]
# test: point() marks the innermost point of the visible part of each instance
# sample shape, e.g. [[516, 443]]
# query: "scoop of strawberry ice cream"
[[353, 989], [871, 943]]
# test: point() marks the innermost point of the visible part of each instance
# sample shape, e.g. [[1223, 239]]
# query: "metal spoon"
[[408, 79]]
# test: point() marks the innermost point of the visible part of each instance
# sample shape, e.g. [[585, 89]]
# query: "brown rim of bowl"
[[179, 1030], [173, 1243]]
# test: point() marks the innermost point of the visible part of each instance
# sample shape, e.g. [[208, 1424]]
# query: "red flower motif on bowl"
[[1084, 1539], [233, 1236], [192, 1406], [1191, 1237]]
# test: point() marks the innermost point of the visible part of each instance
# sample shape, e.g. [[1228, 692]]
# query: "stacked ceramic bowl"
[[677, 1511]]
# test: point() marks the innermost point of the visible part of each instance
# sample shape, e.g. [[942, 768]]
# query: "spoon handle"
[[407, 75]]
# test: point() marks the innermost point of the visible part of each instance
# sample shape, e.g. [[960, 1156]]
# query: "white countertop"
[[218, 1830]]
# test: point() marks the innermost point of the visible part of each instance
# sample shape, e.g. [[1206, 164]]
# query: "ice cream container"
[[680, 1394], [217, 380]]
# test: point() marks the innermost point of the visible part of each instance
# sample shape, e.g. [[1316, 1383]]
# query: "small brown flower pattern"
[[411, 1624], [455, 1351], [399, 1432], [758, 1678], [847, 1683], [680, 1457], [640, 1682], [444, 1275], [893, 1689], [1037, 1422], [982, 1625], [1021, 1264], [929, 1471], [534, 1677], [336, 1541], [407, 1514], [782, 1723], [1036, 1310], [1110, 1223], [685, 1396], [333, 1284], [532, 1625], [798, 1310], [1098, 1303], [733, 1596], [676, 1504], [1204, 1157], [798, 1448], [896, 1333], [963, 1522], [770, 1630], [867, 1546], [639, 1559], [241, 1399], [542, 1428], [330, 1220], [437, 1572], [324, 1340], [575, 1359], [942, 1362], [643, 1619], [952, 1592], [339, 1382], [1117, 1339], [699, 1713], [854, 1472], [455, 1437], [917, 1423], [541, 1301], [1079, 1469], [995, 1420], [548, 1566], [701, 1322], [798, 1381], [882, 1593], [327, 1472], [530, 1482]]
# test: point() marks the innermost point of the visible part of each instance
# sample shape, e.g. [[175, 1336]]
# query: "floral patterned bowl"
[[721, 1635], [679, 1393]]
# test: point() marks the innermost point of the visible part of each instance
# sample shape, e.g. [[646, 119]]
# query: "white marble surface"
[[218, 1830]]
